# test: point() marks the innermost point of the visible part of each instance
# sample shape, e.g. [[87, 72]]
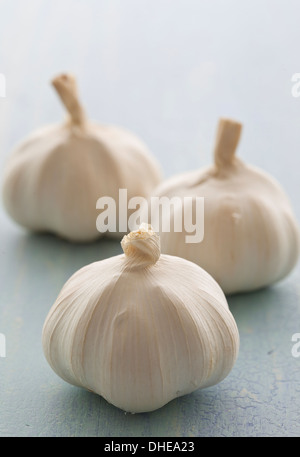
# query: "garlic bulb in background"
[[54, 177], [140, 328], [251, 236]]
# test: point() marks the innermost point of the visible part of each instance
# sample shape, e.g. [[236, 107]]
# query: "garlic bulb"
[[53, 179], [140, 328], [251, 237]]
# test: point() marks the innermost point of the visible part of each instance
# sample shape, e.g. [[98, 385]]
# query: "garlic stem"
[[227, 139], [141, 247], [66, 87]]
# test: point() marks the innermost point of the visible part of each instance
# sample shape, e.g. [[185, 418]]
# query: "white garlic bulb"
[[53, 179], [140, 328], [251, 237]]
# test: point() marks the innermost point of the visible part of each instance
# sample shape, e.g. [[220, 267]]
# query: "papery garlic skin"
[[251, 235], [141, 331], [55, 176]]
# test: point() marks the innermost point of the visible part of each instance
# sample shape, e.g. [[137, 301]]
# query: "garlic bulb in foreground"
[[140, 328], [54, 178], [251, 237]]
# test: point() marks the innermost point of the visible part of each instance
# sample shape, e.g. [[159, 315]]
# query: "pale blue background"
[[167, 70]]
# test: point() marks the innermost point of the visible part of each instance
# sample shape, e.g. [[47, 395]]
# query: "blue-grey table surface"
[[167, 70]]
